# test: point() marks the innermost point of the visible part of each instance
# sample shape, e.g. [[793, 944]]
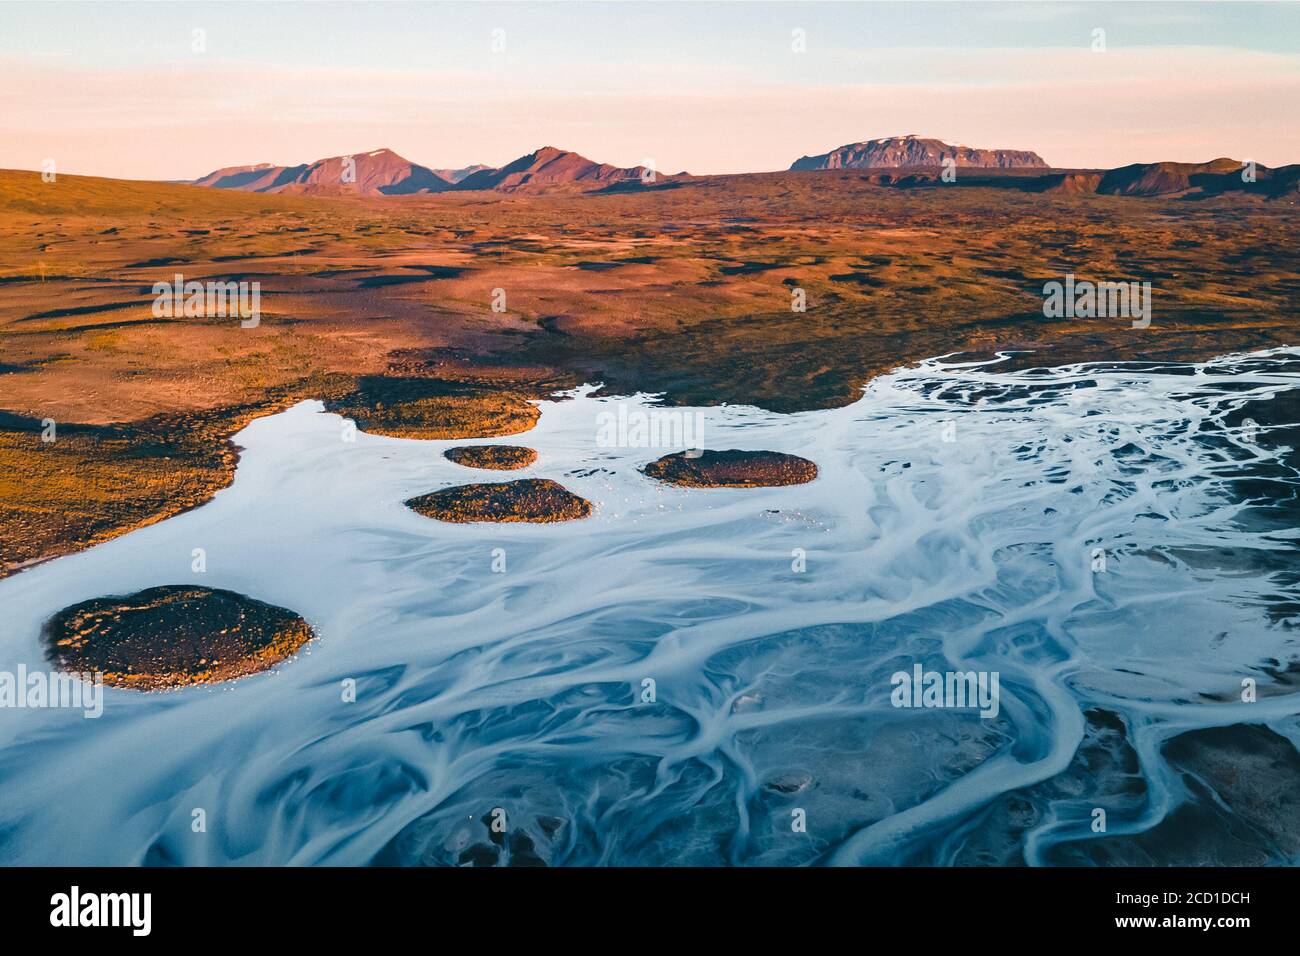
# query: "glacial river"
[[704, 676]]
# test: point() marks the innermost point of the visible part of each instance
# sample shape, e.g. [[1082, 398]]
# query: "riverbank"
[[491, 302]]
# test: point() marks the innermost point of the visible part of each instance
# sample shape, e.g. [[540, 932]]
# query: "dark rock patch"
[[537, 500], [732, 469], [171, 636], [498, 457]]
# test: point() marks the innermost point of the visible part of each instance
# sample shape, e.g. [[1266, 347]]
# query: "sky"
[[128, 90]]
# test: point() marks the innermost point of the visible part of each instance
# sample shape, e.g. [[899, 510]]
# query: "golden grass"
[[684, 291]]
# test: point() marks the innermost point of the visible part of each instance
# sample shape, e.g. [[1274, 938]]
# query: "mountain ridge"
[[384, 172], [377, 172], [897, 152]]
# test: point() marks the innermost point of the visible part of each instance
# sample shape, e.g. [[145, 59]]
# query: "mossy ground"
[[172, 636], [732, 469], [495, 457], [534, 500], [686, 292]]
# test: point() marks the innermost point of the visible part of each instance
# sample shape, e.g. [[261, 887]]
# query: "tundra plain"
[[452, 310]]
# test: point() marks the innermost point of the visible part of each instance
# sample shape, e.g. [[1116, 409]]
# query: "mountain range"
[[1171, 180], [897, 161], [382, 172], [379, 172]]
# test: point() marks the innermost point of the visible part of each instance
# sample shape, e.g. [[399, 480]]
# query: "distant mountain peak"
[[551, 166], [913, 150], [457, 175], [377, 172]]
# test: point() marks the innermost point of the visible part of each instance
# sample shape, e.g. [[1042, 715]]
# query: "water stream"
[[1117, 540]]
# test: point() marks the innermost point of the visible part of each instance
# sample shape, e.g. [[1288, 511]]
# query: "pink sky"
[[183, 118]]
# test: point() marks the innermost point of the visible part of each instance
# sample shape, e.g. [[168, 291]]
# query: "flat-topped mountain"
[[379, 172], [903, 151]]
